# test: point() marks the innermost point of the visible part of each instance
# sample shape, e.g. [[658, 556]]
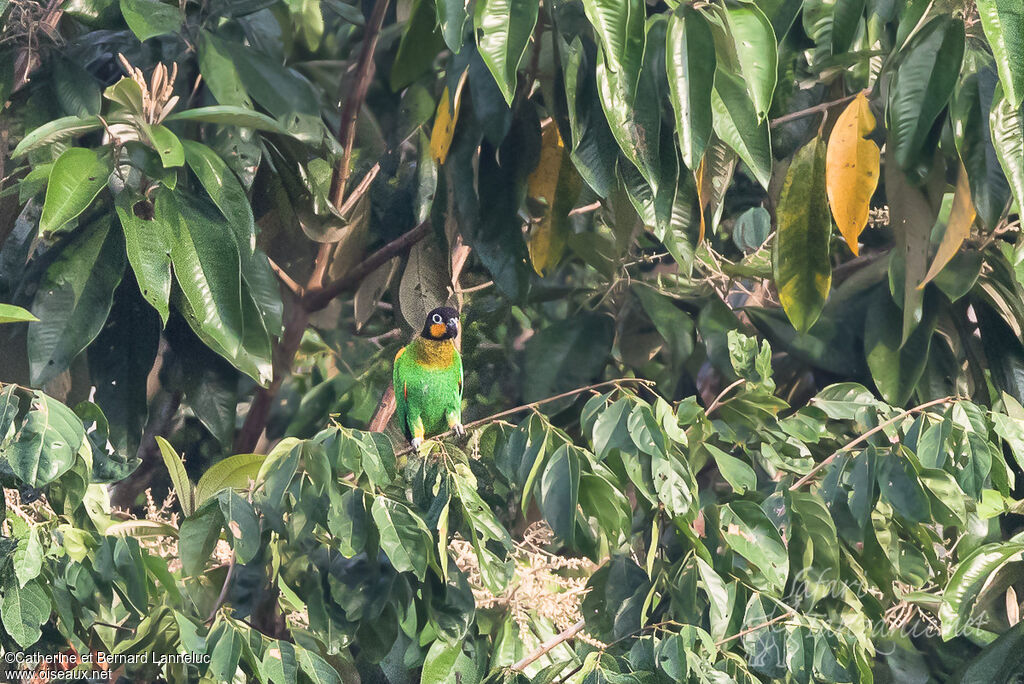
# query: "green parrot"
[[428, 379]]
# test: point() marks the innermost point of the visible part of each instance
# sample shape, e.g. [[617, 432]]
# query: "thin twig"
[[223, 590], [594, 206], [118, 627], [824, 106], [356, 95], [755, 628], [548, 645], [540, 402], [477, 288], [721, 395], [319, 297], [854, 442], [288, 281]]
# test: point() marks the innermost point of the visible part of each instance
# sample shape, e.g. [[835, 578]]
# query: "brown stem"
[[854, 442], [548, 645], [539, 402], [347, 127], [288, 281], [317, 298], [748, 630], [284, 356], [223, 590], [824, 106], [721, 395]]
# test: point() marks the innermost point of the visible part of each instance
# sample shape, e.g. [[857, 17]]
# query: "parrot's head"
[[442, 324]]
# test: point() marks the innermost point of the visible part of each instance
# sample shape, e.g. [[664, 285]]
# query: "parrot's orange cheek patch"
[[437, 329]]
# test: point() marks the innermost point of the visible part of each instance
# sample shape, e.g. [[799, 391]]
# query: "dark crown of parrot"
[[442, 324]]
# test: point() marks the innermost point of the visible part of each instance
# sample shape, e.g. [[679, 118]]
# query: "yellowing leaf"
[[444, 122], [961, 218], [852, 167], [554, 185]]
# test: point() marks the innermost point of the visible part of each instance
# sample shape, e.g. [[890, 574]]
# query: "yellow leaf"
[[852, 165], [547, 238], [961, 218], [444, 121]]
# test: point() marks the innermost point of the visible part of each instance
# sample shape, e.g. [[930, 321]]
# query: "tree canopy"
[[741, 287]]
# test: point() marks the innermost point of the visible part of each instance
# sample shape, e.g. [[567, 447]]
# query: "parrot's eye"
[[437, 318]]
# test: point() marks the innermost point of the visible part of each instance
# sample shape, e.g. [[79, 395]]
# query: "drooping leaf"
[[1007, 126], [553, 185], [852, 170], [800, 259], [619, 26], [1003, 23], [444, 124], [503, 30], [756, 53], [559, 492], [74, 299], [690, 57], [751, 534], [921, 89], [958, 228], [149, 18], [736, 122], [961, 593], [148, 246], [896, 366], [403, 536], [234, 472]]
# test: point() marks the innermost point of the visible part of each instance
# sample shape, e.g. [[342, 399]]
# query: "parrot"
[[428, 379]]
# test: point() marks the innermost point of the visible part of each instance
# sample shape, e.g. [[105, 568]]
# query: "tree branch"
[[854, 442], [824, 106], [288, 281], [319, 297], [347, 128], [548, 645], [540, 402], [223, 590]]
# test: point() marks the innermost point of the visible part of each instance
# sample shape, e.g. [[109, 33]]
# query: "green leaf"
[[76, 179], [756, 53], [420, 44], [59, 129], [672, 323], [23, 610], [318, 670], [242, 524], [947, 499], [921, 88], [148, 245], [736, 122], [900, 486], [74, 299], [800, 258], [690, 59], [44, 447], [450, 663], [149, 18], [740, 476], [346, 520], [9, 313], [752, 535], [1003, 22], [559, 492], [219, 72], [971, 576], [452, 16], [198, 536], [403, 536], [226, 192], [567, 354], [1007, 126], [1000, 662], [633, 117], [619, 25], [911, 217], [28, 556], [230, 116], [179, 478], [896, 369], [167, 145], [675, 485], [234, 472], [969, 115]]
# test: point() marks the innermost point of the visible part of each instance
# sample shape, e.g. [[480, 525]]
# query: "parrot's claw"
[[460, 430], [416, 442]]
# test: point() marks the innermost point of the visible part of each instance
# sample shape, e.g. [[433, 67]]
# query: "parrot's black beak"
[[451, 330]]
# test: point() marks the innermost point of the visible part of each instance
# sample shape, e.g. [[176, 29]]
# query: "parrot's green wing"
[[401, 402]]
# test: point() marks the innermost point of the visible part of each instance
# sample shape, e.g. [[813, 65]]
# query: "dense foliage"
[[742, 290]]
